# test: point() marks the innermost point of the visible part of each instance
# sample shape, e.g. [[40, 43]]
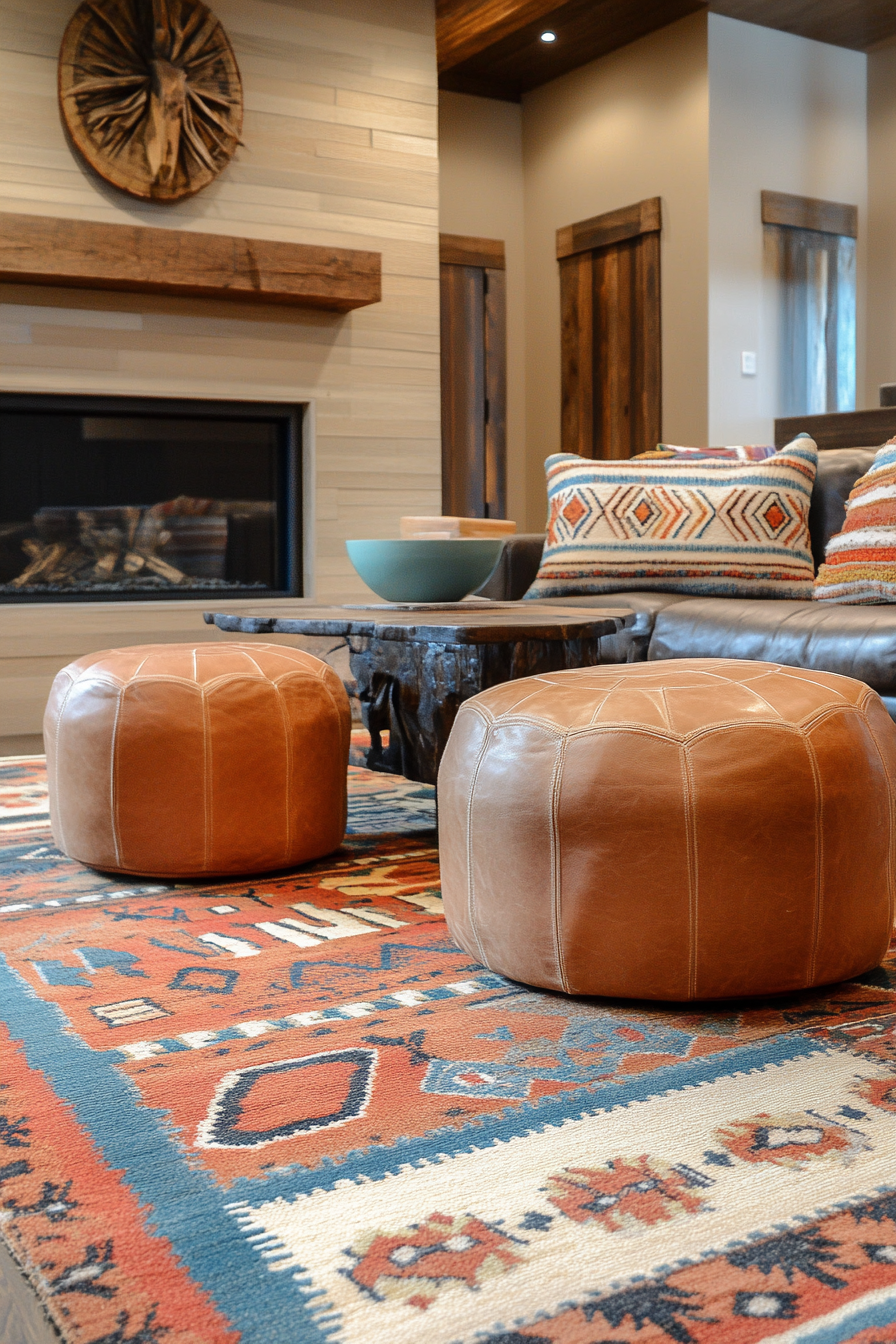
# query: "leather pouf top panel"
[[199, 664], [176, 761], [684, 830], [682, 696]]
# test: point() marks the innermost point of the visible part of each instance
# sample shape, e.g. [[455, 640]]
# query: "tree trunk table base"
[[416, 666]]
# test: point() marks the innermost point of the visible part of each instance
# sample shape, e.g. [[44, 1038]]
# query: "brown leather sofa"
[[855, 641]]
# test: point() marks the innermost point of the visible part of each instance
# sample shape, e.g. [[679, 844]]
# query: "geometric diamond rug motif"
[[289, 1109]]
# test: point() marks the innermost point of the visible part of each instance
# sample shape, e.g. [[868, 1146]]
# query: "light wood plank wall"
[[340, 147]]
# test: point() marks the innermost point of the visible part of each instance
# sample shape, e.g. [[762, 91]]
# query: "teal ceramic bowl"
[[425, 569]]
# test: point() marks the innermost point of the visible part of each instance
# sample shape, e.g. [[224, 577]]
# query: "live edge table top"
[[451, 623]]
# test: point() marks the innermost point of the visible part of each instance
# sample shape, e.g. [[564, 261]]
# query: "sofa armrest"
[[515, 572]]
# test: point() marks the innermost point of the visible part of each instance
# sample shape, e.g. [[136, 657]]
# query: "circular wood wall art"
[[151, 94]]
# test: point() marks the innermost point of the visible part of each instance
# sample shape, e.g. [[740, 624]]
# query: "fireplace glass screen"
[[114, 501]]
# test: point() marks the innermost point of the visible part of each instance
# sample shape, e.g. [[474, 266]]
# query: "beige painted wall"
[[340, 147], [630, 125], [481, 195], [785, 114], [880, 361]]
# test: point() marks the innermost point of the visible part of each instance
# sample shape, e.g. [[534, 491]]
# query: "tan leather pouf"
[[176, 761], [691, 829]]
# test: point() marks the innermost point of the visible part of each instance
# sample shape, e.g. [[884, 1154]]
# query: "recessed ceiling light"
[[549, 36]]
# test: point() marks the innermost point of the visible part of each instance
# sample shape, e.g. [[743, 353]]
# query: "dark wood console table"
[[415, 666]]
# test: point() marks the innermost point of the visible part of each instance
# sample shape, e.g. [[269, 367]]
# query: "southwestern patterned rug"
[[290, 1110]]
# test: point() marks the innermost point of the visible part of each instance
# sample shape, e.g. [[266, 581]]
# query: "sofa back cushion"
[[838, 471], [708, 528]]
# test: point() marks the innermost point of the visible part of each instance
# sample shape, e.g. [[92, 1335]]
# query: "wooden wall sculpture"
[[151, 94]]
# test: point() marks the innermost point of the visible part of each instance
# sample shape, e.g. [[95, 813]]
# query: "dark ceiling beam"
[[586, 29], [858, 24], [466, 27], [493, 48]]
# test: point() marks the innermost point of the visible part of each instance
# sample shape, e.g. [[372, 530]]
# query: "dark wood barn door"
[[610, 332], [474, 377]]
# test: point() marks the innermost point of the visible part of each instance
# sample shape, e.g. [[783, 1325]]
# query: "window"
[[811, 251]]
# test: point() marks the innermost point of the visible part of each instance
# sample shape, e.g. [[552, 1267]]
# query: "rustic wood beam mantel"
[[85, 255]]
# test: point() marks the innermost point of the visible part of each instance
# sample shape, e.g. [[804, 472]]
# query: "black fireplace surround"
[[114, 498]]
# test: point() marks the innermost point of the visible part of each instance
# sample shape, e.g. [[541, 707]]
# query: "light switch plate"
[[748, 363]]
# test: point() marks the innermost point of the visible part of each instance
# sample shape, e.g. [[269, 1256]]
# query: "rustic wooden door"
[[610, 332], [474, 377]]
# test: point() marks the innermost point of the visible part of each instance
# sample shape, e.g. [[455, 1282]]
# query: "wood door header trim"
[[455, 249], [613, 227], [83, 254], [805, 212]]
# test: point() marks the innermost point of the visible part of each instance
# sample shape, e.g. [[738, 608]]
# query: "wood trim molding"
[[613, 227], [805, 212], [82, 254], [457, 250]]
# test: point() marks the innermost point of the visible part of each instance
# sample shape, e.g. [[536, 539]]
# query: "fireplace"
[[105, 498]]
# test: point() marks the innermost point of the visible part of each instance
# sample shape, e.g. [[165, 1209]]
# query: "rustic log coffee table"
[[416, 665]]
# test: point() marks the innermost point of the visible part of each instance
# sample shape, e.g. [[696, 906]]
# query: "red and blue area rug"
[[289, 1110]]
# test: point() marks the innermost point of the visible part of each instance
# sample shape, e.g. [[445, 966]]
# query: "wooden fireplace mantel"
[[86, 255]]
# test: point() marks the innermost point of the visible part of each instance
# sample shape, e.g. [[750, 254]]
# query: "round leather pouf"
[[175, 761], [690, 829]]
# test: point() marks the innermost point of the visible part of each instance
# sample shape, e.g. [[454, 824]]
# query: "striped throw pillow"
[[711, 528], [860, 562]]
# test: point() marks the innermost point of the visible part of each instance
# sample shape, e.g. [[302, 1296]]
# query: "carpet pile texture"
[[289, 1110]]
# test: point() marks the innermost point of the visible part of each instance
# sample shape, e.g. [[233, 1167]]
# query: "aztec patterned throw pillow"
[[860, 562], [711, 528]]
